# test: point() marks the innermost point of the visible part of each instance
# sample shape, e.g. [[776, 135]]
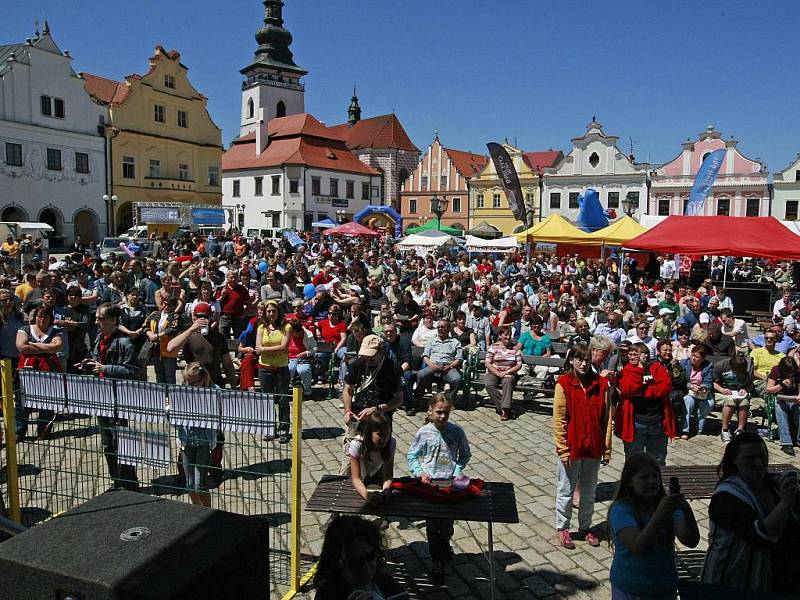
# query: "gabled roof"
[[467, 163], [20, 52], [542, 160], [294, 140], [384, 131], [107, 91], [301, 124]]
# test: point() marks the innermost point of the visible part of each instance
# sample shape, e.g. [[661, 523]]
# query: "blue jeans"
[[649, 438], [165, 368], [342, 364], [304, 370], [703, 408], [787, 415], [453, 377], [408, 390]]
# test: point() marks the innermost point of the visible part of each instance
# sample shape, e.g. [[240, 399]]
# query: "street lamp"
[[439, 207], [340, 216], [629, 205], [110, 213], [240, 216]]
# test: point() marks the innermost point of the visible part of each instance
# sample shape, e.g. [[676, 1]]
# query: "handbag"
[[146, 352]]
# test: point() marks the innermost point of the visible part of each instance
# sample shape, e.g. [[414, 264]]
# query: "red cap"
[[202, 309]]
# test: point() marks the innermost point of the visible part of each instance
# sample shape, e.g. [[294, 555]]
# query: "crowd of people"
[[646, 356]]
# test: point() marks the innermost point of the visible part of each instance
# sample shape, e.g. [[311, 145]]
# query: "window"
[[213, 176], [634, 196], [479, 201], [46, 104], [53, 159], [753, 207], [155, 168], [294, 186], [276, 219], [412, 205], [663, 207], [495, 200], [365, 191], [555, 200], [456, 204], [276, 185], [334, 187], [797, 175], [316, 187], [237, 188], [81, 162], [424, 185], [183, 119], [169, 81], [13, 154], [443, 182], [128, 167], [594, 160], [58, 108], [280, 110], [685, 205], [529, 200], [159, 113], [259, 186], [183, 172], [376, 192], [791, 210], [613, 199], [573, 199], [350, 189], [251, 109], [724, 207]]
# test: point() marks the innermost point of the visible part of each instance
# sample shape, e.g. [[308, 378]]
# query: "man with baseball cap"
[[372, 383], [203, 343]]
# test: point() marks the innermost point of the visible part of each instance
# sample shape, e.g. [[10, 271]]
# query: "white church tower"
[[272, 87]]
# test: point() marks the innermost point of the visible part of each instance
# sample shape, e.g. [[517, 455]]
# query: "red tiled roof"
[[108, 91], [542, 160], [297, 150], [301, 124], [384, 131], [467, 163]]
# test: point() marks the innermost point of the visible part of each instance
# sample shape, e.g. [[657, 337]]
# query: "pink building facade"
[[740, 189]]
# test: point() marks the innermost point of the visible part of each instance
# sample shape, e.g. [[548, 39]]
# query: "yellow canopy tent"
[[618, 233], [555, 229]]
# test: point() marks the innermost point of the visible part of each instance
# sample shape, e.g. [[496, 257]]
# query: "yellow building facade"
[[487, 199], [163, 146]]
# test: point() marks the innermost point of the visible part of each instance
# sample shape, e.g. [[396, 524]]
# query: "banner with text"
[[508, 175]]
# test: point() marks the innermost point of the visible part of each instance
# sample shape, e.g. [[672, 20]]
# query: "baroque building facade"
[[786, 192], [740, 190], [52, 154]]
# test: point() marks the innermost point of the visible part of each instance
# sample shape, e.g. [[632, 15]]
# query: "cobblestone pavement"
[[529, 562]]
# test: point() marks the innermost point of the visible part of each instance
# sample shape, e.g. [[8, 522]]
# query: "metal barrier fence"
[[147, 437]]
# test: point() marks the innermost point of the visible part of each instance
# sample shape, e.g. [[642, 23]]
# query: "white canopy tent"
[[423, 243], [501, 245]]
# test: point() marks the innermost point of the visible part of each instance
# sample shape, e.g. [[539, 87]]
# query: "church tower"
[[354, 110], [272, 87]]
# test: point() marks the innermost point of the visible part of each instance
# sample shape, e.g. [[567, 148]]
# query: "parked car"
[[111, 245]]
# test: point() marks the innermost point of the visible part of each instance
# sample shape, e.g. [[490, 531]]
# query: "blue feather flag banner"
[[705, 179], [508, 175]]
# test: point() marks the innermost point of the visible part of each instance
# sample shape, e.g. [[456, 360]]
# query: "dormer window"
[[594, 160]]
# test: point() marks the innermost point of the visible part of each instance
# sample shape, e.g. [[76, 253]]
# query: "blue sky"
[[479, 70]]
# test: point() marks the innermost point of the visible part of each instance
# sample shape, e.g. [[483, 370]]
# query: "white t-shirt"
[[372, 463]]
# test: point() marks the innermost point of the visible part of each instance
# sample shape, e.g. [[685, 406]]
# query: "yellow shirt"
[[12, 249], [22, 290], [763, 360], [272, 338]]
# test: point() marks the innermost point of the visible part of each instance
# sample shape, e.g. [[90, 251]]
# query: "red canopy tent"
[[764, 237], [353, 229]]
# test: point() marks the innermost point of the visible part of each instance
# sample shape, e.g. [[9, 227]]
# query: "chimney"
[[262, 133]]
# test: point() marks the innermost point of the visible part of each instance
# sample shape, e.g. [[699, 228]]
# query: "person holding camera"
[[644, 418], [205, 345], [699, 375], [754, 527]]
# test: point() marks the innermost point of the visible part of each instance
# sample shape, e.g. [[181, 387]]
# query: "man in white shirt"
[[642, 336], [736, 328], [783, 306], [667, 269]]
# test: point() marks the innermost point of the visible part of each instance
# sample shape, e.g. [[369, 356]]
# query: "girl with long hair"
[[643, 522], [372, 457], [272, 346]]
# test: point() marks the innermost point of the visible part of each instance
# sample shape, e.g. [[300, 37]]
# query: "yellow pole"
[[12, 473], [297, 479]]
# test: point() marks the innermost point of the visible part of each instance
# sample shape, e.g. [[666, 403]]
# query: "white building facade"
[[594, 162], [52, 155], [786, 192]]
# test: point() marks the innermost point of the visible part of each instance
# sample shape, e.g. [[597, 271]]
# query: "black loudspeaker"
[[127, 546]]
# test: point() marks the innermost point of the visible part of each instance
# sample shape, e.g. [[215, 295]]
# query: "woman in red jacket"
[[644, 418]]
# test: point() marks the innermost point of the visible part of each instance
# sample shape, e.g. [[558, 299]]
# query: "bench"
[[473, 378], [700, 481]]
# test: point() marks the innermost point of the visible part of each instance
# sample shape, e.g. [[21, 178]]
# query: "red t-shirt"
[[321, 278], [296, 345], [237, 297], [331, 334]]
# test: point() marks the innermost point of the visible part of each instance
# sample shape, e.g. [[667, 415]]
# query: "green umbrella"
[[434, 224]]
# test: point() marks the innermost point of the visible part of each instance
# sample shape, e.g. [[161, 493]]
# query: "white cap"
[[652, 302], [666, 311], [705, 318]]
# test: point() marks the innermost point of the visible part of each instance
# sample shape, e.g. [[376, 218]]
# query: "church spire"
[[274, 40], [354, 110]]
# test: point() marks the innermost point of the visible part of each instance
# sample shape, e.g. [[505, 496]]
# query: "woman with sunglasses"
[[350, 565]]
